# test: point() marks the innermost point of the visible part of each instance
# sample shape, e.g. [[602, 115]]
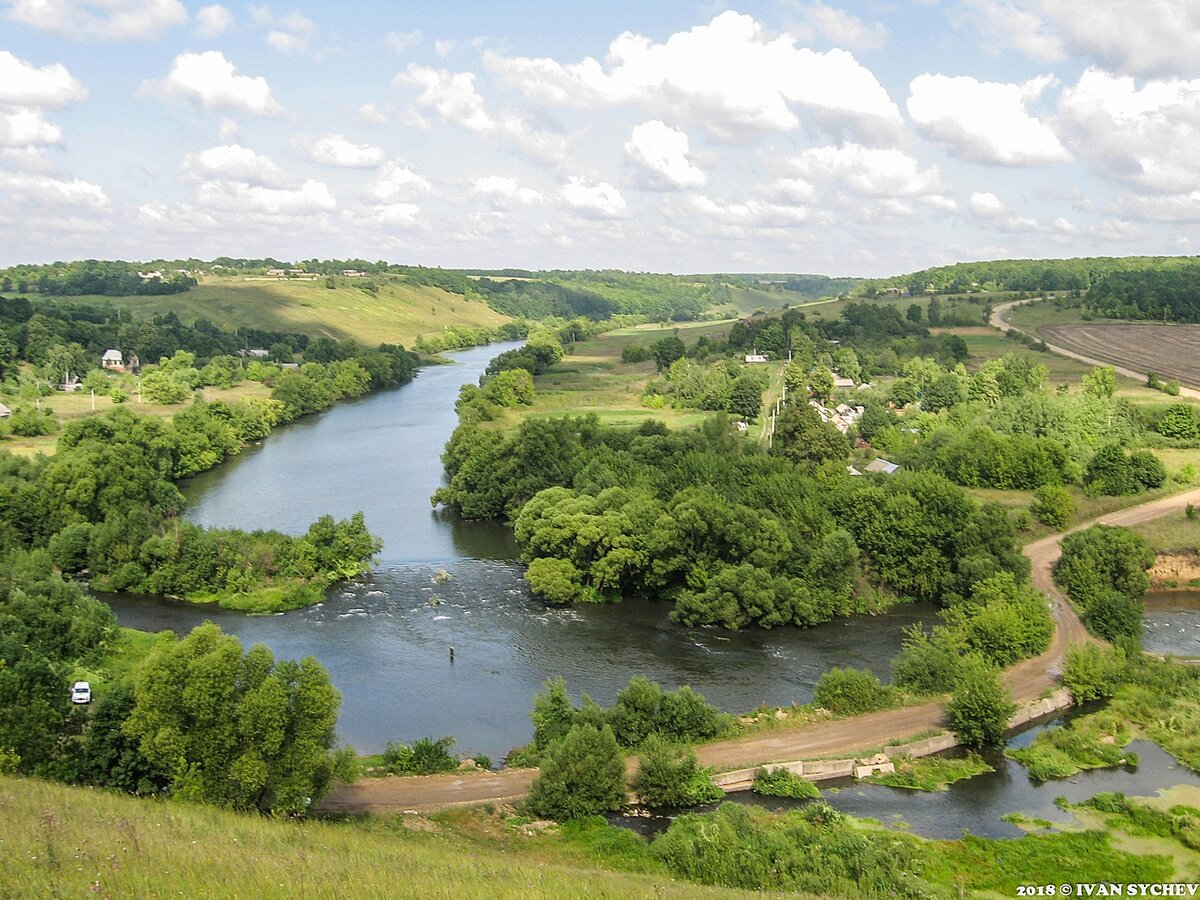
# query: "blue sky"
[[856, 138]]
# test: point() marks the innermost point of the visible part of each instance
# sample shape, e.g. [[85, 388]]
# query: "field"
[[76, 842], [398, 313], [1171, 351], [67, 407], [592, 378]]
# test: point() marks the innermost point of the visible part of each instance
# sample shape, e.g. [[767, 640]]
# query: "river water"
[[385, 638]]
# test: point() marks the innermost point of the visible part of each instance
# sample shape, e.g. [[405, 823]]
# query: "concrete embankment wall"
[[826, 769]]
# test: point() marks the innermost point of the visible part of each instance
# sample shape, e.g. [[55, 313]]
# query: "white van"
[[81, 692]]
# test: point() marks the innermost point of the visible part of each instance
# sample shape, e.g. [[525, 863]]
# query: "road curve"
[[997, 320], [1027, 680]]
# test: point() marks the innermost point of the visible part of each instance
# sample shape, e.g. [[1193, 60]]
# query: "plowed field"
[[1170, 351]]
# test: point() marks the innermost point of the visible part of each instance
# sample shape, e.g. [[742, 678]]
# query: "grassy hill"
[[75, 842], [397, 313]]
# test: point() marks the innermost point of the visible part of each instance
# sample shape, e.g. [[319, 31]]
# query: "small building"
[[294, 367], [853, 471], [276, 273], [741, 426], [254, 353], [843, 383], [879, 464], [70, 384], [756, 357], [893, 291], [112, 359], [5, 412], [353, 273]]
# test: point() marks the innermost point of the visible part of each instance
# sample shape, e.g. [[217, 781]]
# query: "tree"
[[820, 382], [980, 707], [669, 775], [933, 314], [236, 730], [914, 314], [945, 392], [666, 351], [1052, 505], [802, 437], [164, 387], [745, 398], [1100, 382], [582, 775]]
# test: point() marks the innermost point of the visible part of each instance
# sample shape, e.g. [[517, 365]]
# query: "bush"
[[1112, 615], [668, 775], [1093, 673], [1052, 505], [782, 783], [425, 757], [1103, 571], [635, 353], [850, 692], [980, 707], [582, 775]]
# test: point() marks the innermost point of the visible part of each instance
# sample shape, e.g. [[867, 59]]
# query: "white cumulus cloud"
[[985, 121], [506, 190], [867, 171], [312, 197], [728, 76], [593, 199], [27, 128], [397, 181], [335, 150], [50, 191], [662, 154], [48, 87], [211, 81], [103, 20], [1145, 137], [235, 163]]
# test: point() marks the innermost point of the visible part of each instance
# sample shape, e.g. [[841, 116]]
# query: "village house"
[[756, 357], [842, 417], [254, 353], [113, 360], [353, 273], [5, 412]]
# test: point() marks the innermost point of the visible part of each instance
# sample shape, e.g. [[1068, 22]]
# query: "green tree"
[[553, 713], [581, 775], [666, 350], [669, 775], [164, 387], [1052, 505], [914, 314], [820, 382], [745, 398], [235, 729], [802, 437], [980, 707], [1100, 382]]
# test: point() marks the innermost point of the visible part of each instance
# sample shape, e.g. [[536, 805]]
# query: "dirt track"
[[1027, 680]]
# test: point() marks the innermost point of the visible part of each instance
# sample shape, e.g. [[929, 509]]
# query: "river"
[[385, 638]]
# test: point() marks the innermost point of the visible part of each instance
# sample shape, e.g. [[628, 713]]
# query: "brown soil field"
[[1170, 351]]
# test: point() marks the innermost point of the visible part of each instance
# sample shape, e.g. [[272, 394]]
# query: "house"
[[255, 353], [112, 359], [5, 412], [756, 357], [893, 291], [70, 384], [150, 276], [294, 367], [843, 383], [276, 273], [853, 471], [353, 273], [882, 465]]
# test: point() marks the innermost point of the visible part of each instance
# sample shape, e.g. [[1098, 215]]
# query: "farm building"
[[112, 359]]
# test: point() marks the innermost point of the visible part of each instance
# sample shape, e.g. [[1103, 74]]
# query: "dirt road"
[[1027, 680], [998, 321]]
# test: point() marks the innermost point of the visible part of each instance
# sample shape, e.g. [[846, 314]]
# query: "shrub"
[[425, 757], [980, 707], [1093, 673], [1052, 505], [582, 775], [782, 783], [850, 692], [668, 775]]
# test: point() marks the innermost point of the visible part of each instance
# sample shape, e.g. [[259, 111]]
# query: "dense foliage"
[[581, 775], [112, 278], [235, 729], [668, 775], [979, 708], [1168, 292], [1103, 571]]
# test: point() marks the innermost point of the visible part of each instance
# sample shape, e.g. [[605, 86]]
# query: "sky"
[[859, 138]]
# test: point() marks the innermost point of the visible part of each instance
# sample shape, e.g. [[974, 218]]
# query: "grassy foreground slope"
[[396, 313], [59, 841]]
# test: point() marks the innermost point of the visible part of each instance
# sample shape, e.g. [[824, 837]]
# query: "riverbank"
[[1030, 681]]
